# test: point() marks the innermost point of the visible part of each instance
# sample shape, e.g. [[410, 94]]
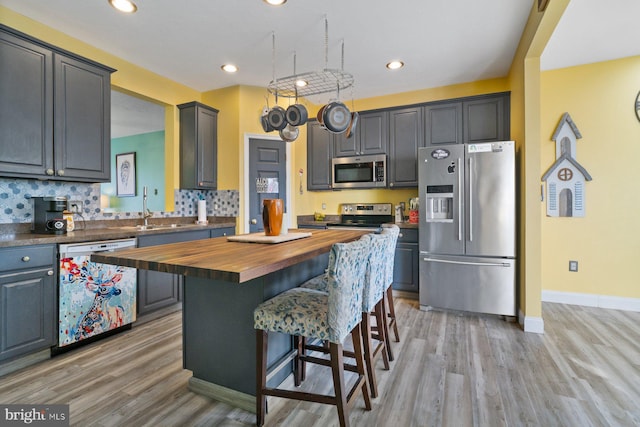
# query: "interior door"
[[267, 177]]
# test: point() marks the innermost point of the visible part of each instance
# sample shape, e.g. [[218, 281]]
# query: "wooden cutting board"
[[262, 238]]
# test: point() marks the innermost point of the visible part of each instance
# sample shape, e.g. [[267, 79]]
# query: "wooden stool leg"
[[261, 375], [368, 356], [298, 364], [385, 326], [383, 333], [337, 369], [356, 337], [392, 312]]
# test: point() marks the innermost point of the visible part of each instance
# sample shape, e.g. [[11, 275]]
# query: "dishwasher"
[[93, 298]]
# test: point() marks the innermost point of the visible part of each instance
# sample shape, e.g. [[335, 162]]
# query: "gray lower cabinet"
[[27, 300], [155, 289], [225, 231], [312, 227], [55, 112], [406, 135], [319, 154], [405, 267], [198, 146]]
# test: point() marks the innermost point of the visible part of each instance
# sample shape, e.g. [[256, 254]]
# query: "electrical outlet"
[[324, 206], [573, 265], [74, 206]]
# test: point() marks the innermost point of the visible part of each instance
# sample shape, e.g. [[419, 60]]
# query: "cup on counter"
[[414, 217], [272, 210]]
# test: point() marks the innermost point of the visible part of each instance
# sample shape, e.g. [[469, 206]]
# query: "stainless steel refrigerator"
[[468, 227]]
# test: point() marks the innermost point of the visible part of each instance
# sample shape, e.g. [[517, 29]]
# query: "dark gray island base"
[[223, 283], [218, 335]]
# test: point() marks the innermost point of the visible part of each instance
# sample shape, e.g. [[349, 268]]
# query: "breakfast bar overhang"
[[223, 283]]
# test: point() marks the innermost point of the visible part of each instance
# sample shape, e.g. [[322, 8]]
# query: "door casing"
[[245, 217]]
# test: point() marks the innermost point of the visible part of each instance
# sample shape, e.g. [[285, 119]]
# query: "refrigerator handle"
[[482, 264], [460, 218], [470, 175]]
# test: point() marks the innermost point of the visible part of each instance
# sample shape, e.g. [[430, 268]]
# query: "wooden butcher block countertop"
[[219, 259]]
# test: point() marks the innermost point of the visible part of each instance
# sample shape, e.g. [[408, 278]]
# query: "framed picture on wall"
[[126, 174]]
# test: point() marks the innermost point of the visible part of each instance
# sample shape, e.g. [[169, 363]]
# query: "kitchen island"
[[223, 283]]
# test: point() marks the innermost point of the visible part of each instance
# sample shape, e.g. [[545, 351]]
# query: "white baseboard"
[[592, 300], [531, 324]]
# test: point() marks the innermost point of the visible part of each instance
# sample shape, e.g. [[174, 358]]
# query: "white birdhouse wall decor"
[[565, 179]]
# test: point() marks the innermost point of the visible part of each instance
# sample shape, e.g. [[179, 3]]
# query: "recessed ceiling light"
[[394, 65], [229, 68], [301, 83], [275, 2], [126, 6]]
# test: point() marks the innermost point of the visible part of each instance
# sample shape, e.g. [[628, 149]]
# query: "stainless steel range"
[[363, 216]]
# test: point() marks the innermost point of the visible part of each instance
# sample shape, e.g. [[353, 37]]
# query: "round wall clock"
[[638, 106]]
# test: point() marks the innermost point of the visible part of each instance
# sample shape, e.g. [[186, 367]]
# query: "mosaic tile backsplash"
[[16, 206]]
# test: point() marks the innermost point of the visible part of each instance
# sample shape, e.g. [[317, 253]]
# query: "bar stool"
[[330, 316], [372, 303], [394, 231]]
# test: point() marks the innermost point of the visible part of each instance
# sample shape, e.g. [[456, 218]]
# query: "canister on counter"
[[68, 216]]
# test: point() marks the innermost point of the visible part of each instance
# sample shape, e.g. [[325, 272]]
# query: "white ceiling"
[[441, 42]]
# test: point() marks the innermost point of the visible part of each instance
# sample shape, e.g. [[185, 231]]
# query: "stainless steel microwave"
[[359, 172]]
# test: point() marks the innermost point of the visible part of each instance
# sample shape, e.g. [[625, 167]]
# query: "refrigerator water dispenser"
[[439, 206]]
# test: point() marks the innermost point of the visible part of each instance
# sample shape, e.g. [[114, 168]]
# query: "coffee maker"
[[47, 215]]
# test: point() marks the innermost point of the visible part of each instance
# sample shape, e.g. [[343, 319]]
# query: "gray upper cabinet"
[[54, 112], [406, 135], [198, 146], [399, 132], [371, 136], [486, 119], [443, 123], [468, 121], [319, 154], [82, 120]]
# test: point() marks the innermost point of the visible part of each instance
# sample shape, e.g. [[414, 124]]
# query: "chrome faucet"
[[146, 213]]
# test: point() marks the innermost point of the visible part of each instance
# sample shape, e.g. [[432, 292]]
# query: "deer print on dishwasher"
[[100, 280]]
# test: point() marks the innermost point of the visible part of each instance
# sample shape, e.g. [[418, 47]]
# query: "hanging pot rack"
[[317, 82]]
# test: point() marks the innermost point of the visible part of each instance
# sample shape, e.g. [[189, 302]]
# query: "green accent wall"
[[149, 149]]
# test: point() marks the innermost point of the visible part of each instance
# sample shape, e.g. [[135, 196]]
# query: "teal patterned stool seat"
[[330, 316], [297, 311]]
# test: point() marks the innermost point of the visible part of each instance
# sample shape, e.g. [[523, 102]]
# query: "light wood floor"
[[450, 370]]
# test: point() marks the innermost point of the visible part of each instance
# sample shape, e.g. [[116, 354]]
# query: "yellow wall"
[[600, 98]]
